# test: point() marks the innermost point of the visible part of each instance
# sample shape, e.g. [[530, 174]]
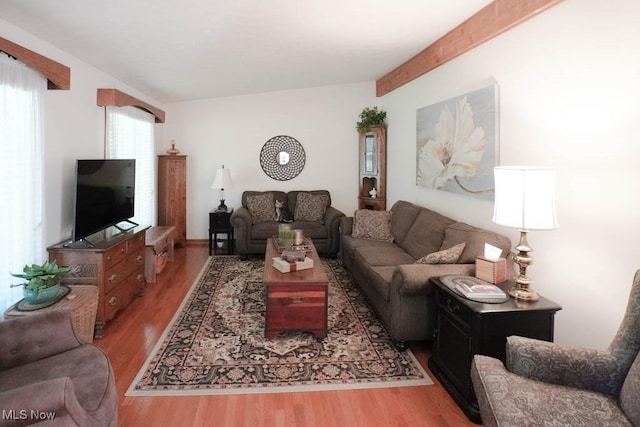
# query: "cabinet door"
[[453, 349]]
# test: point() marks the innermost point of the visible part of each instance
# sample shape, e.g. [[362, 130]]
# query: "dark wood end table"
[[465, 328], [220, 223]]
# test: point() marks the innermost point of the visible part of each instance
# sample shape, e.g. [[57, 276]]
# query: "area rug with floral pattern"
[[215, 343]]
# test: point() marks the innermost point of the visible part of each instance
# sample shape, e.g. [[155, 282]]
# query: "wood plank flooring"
[[131, 335]]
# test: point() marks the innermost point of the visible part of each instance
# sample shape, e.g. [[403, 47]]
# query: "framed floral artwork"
[[457, 143]]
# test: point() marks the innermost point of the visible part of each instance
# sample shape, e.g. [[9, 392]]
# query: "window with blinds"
[[130, 135]]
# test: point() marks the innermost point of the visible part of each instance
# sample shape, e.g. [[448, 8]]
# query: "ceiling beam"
[[58, 76], [489, 22], [114, 97]]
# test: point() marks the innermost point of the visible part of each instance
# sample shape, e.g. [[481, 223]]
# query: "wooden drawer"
[[114, 277], [114, 255], [454, 308], [116, 274], [118, 298]]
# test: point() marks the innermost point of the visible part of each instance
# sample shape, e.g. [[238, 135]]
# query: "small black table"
[[220, 223], [465, 328]]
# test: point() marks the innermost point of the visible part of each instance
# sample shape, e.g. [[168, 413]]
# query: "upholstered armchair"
[[49, 376], [549, 384]]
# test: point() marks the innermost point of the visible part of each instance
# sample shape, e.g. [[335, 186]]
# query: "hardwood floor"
[[131, 335]]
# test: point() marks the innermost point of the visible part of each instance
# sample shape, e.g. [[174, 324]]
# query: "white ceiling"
[[176, 50]]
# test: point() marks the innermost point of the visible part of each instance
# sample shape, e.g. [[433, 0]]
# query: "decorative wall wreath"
[[282, 157]]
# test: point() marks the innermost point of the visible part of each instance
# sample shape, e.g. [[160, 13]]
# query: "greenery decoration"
[[41, 277], [370, 117]]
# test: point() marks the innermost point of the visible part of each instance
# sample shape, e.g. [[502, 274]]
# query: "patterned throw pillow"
[[311, 207], [374, 225], [446, 256], [261, 207]]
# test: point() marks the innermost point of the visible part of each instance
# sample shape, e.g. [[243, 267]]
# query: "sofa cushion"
[[374, 225], [445, 256], [370, 256], [630, 393], [311, 207], [403, 214], [262, 208], [475, 238], [426, 234], [350, 244]]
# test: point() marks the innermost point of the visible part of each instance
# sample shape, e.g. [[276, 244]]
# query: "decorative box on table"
[[291, 266], [491, 270]]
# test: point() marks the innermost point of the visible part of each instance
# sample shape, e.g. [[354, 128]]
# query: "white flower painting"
[[456, 143]]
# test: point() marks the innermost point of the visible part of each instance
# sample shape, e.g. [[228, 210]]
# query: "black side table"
[[220, 223], [465, 328]]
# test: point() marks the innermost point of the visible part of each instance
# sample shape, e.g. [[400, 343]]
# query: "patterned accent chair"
[[45, 369], [549, 384]]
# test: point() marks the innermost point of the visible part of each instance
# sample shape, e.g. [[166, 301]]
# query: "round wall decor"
[[282, 157]]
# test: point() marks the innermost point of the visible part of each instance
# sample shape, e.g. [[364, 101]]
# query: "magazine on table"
[[479, 290]]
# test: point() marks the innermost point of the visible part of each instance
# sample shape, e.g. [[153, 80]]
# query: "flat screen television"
[[105, 191]]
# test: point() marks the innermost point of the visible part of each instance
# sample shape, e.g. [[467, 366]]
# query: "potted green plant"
[[42, 281], [370, 117]]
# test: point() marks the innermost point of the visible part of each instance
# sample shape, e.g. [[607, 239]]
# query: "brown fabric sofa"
[[397, 287], [45, 370], [251, 236], [547, 384]]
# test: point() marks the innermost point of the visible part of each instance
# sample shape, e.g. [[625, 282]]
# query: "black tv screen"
[[105, 192]]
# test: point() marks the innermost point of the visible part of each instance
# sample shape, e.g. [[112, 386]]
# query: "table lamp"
[[222, 181], [524, 199]]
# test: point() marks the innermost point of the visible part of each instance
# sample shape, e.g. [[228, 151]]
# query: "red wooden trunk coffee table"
[[295, 301]]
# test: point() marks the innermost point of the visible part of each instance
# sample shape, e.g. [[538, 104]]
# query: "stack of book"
[[290, 261], [479, 290]]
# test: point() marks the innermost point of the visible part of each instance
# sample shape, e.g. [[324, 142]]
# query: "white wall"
[[232, 131], [569, 85], [74, 128]]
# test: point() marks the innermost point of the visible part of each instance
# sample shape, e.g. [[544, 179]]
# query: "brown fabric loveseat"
[[397, 287], [257, 220], [49, 377]]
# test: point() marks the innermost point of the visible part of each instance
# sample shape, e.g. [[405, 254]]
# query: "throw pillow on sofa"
[[445, 256], [261, 207], [373, 225], [311, 207]]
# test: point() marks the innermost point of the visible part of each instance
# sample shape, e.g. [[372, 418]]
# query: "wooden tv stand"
[[114, 262]]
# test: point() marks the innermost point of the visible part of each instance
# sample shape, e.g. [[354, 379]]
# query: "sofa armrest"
[[579, 367], [241, 217], [413, 279], [241, 222], [346, 226], [54, 399], [30, 338], [332, 218]]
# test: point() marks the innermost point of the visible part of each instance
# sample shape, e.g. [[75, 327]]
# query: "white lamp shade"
[[222, 179], [525, 197]]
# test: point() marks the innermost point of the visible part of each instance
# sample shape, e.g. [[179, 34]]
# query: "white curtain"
[[22, 91], [130, 135]]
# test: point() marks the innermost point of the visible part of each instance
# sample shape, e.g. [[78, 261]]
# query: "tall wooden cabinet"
[[373, 168], [172, 194]]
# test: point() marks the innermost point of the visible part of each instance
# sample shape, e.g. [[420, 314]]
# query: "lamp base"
[[221, 207], [523, 294]]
